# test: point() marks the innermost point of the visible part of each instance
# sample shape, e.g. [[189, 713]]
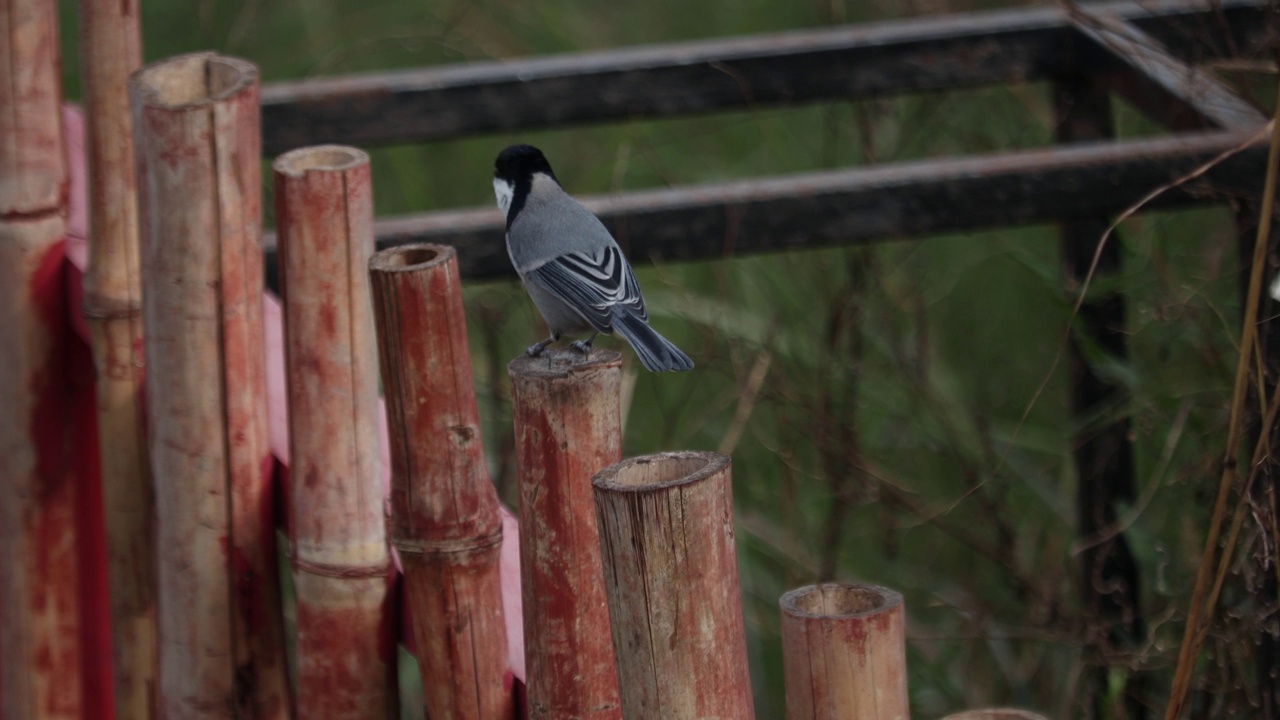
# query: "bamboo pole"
[[111, 48], [341, 566], [666, 531], [40, 614], [35, 170], [444, 511], [844, 653], [41, 670], [568, 425], [220, 639]]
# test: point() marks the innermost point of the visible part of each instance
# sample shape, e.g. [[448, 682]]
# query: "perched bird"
[[572, 268]]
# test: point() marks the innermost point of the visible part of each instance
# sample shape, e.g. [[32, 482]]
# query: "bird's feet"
[[536, 349], [582, 346]]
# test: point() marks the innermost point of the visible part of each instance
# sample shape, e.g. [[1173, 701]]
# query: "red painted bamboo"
[[345, 649], [568, 425], [111, 48], [844, 653], [221, 645], [666, 531], [40, 594], [444, 510]]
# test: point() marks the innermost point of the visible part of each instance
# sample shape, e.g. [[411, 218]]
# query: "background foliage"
[[880, 402]]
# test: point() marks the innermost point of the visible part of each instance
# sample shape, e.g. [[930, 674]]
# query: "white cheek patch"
[[504, 191]]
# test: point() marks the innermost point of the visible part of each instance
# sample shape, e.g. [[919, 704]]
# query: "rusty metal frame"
[[1142, 51]]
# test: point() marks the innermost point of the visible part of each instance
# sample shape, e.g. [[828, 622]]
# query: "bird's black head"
[[520, 162]]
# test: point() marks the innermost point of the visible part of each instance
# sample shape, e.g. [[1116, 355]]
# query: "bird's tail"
[[656, 353]]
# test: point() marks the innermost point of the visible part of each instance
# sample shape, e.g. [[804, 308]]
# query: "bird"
[[572, 268]]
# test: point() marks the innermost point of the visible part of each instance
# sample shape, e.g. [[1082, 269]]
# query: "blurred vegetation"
[[897, 413]]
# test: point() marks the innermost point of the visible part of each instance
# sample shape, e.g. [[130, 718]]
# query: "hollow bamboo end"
[[411, 258], [319, 158], [839, 600], [996, 714], [660, 471], [193, 80], [557, 363]]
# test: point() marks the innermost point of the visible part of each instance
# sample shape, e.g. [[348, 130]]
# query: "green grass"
[[888, 442]]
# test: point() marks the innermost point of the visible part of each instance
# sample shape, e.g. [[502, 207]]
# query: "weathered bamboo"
[[40, 613], [345, 650], [996, 714], [31, 155], [444, 511], [568, 426], [220, 640], [666, 531], [111, 48], [844, 653], [40, 595]]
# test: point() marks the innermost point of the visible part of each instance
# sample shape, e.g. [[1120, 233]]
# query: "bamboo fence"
[[345, 651], [568, 425], [221, 645], [445, 522], [631, 597]]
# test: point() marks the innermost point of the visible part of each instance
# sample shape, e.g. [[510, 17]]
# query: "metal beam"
[[847, 62], [870, 203], [1174, 93]]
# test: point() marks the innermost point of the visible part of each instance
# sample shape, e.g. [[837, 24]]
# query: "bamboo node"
[[337, 570], [103, 307], [35, 215], [448, 546]]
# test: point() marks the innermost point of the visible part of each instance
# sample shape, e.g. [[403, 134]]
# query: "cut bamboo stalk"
[[844, 653], [341, 566], [34, 177], [444, 510], [568, 425], [111, 49], [220, 639], [996, 714], [40, 614], [41, 649], [666, 532]]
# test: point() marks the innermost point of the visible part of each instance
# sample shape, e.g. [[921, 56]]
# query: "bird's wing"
[[593, 283]]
